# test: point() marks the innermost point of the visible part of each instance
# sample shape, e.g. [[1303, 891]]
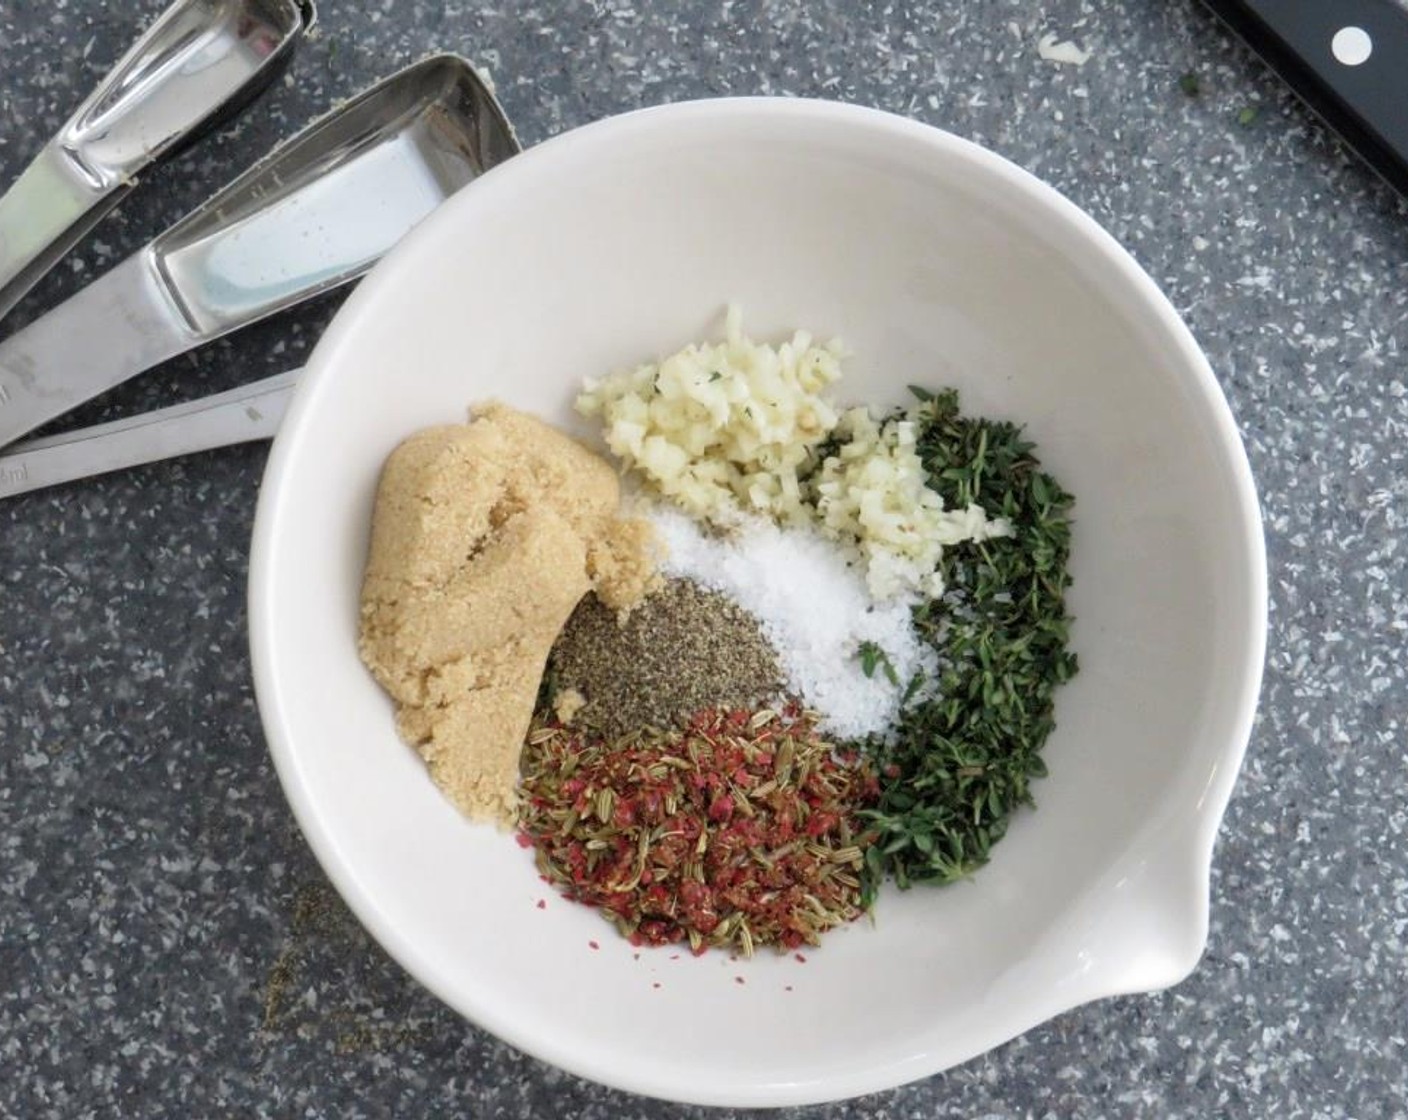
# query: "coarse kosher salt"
[[814, 608]]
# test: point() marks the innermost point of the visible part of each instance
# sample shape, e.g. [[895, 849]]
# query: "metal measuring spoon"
[[249, 412], [199, 64], [318, 212]]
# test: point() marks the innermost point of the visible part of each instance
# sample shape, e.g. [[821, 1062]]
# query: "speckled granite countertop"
[[168, 947]]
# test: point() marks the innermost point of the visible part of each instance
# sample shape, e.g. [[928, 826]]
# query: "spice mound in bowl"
[[682, 650], [739, 830], [925, 640]]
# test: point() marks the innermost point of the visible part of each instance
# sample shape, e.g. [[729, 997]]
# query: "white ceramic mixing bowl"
[[938, 263]]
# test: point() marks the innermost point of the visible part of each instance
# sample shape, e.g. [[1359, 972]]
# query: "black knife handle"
[[1364, 99]]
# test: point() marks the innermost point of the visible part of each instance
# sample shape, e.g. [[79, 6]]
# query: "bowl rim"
[[1194, 847]]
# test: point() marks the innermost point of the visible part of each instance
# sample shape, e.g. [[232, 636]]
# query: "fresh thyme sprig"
[[963, 756], [872, 657]]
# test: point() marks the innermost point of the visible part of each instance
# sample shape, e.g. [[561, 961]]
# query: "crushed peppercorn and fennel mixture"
[[821, 652]]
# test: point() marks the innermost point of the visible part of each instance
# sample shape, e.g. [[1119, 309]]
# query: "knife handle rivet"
[[1351, 46]]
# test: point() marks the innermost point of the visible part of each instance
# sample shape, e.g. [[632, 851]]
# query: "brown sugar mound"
[[485, 536]]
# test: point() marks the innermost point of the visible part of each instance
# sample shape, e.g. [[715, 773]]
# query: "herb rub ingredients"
[[742, 831], [484, 537], [683, 649]]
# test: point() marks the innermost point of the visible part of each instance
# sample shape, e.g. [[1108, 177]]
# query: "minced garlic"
[[872, 492], [723, 428]]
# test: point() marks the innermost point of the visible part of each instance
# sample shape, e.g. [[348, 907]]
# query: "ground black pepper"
[[683, 650]]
